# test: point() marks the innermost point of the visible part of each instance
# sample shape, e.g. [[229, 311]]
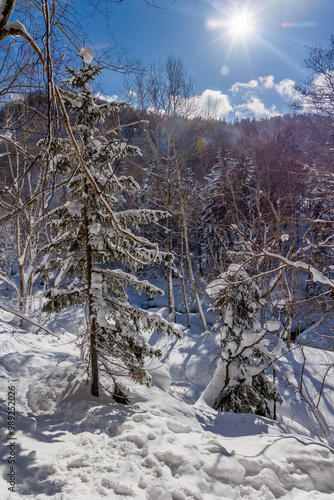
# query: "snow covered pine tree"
[[91, 238], [240, 383]]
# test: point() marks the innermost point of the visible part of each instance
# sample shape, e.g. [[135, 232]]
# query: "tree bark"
[[170, 287], [184, 292], [91, 317], [186, 240]]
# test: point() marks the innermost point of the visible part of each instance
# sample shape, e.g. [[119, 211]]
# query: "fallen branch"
[[22, 316]]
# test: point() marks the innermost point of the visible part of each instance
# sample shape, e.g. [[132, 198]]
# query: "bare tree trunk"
[[7, 9], [170, 287], [275, 402], [186, 240], [92, 323], [288, 331], [170, 293], [184, 292]]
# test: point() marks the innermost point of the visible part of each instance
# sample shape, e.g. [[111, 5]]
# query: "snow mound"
[[56, 386]]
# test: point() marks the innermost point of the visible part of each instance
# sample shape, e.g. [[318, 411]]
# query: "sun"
[[240, 24]]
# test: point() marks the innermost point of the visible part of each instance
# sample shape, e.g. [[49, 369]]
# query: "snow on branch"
[[316, 275], [23, 316], [87, 55], [16, 29], [6, 279], [8, 138], [6, 9]]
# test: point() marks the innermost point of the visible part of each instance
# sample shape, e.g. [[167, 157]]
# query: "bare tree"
[[25, 176], [316, 94], [168, 91]]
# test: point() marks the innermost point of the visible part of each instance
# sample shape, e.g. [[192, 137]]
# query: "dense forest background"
[[261, 183]]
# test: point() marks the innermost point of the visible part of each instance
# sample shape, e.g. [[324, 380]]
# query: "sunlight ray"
[[284, 56]]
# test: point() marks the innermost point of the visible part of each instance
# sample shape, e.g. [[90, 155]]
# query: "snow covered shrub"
[[240, 383], [96, 249]]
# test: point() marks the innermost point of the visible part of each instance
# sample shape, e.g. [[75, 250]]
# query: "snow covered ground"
[[68, 445]]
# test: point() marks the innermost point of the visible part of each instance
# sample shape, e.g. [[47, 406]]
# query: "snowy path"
[[70, 446]]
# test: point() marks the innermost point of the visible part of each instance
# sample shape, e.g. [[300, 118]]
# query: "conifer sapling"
[[97, 250], [241, 383]]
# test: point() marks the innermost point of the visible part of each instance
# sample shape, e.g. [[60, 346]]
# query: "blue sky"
[[246, 75]]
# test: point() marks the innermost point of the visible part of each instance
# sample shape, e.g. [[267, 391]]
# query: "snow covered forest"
[[166, 279]]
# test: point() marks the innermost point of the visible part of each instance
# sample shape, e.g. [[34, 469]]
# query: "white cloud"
[[258, 98], [107, 98], [267, 81], [250, 99], [285, 87], [256, 108], [238, 86], [211, 104]]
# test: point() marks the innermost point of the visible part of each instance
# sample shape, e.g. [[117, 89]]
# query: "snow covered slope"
[[71, 446]]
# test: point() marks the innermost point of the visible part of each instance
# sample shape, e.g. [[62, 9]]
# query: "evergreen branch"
[[129, 279]]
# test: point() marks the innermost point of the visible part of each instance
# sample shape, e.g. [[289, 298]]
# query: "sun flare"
[[240, 24]]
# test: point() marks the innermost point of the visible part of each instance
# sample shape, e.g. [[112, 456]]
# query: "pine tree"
[[96, 249], [241, 375], [217, 208]]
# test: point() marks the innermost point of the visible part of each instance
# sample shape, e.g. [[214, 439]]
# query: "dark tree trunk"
[[92, 324]]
